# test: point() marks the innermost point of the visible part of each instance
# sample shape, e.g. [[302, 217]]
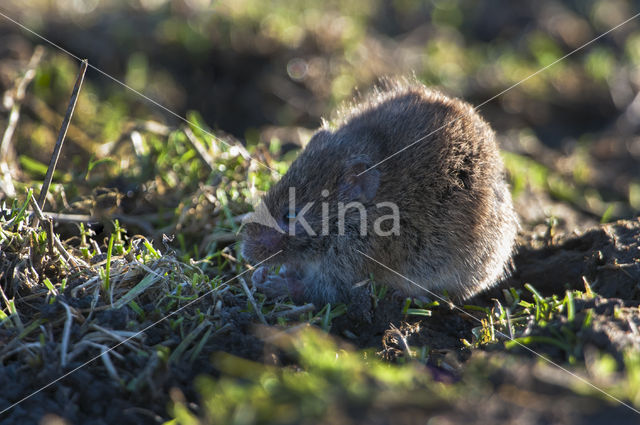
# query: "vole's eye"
[[288, 216]]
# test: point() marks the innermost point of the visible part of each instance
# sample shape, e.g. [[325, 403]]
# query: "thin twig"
[[61, 135], [141, 221], [70, 218], [50, 237]]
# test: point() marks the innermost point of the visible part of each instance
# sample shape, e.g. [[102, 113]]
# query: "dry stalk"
[[65, 255], [252, 300], [201, 150], [294, 311], [61, 136], [6, 179], [66, 333]]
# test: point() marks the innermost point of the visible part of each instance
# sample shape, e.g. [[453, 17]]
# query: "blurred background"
[[265, 73], [261, 75]]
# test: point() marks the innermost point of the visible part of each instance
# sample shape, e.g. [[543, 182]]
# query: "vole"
[[453, 227]]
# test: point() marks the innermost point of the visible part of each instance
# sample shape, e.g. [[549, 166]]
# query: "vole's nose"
[[271, 239], [260, 244]]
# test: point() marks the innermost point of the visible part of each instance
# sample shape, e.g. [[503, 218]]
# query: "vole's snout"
[[270, 239], [261, 242]]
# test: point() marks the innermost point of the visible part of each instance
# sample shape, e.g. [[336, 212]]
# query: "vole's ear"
[[359, 181]]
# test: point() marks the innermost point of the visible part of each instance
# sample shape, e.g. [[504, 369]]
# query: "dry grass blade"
[[146, 376], [108, 364], [252, 301], [6, 179], [134, 292], [30, 347], [294, 311], [64, 346], [128, 338], [201, 150], [73, 260], [186, 342]]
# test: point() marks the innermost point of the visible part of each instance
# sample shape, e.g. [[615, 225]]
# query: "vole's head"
[[299, 216]]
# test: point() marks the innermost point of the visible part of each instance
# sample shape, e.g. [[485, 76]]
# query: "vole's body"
[[456, 227]]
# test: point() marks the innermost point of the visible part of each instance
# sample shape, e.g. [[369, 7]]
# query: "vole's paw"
[[286, 283], [295, 286], [273, 286], [260, 275]]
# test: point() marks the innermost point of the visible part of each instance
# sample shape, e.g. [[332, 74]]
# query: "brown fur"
[[457, 223]]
